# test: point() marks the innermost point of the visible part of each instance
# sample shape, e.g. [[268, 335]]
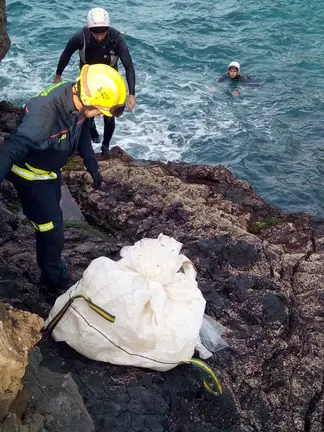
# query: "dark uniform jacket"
[[50, 131]]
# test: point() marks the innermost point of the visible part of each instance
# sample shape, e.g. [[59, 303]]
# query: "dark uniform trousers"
[[40, 202]]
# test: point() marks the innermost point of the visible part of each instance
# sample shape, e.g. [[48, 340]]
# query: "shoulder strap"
[[86, 39]]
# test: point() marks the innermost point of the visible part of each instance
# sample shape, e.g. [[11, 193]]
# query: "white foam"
[[175, 117]]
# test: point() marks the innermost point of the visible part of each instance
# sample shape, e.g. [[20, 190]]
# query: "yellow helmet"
[[103, 87]]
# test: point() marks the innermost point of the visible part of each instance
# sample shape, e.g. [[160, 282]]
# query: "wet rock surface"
[[261, 272], [9, 115], [57, 397], [49, 402]]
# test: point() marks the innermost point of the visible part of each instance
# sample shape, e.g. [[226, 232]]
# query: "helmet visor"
[[98, 29], [117, 110]]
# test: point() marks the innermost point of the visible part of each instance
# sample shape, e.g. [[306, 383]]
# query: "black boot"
[[57, 289], [104, 151]]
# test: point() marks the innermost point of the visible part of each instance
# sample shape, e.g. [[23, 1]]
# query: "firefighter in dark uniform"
[[99, 43], [54, 125]]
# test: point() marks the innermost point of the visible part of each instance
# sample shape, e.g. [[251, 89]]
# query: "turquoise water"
[[271, 134]]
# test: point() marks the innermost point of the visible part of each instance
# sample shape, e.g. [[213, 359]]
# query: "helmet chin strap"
[[82, 111], [76, 92]]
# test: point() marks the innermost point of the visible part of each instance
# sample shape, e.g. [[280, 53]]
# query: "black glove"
[[97, 179]]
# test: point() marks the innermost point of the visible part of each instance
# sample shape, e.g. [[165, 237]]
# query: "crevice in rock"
[[313, 403]]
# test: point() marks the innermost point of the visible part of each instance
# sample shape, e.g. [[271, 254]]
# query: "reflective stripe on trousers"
[[33, 173], [43, 227]]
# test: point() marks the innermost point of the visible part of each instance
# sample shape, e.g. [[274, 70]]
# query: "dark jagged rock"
[[9, 115], [260, 270], [49, 402], [57, 397], [117, 398], [4, 38]]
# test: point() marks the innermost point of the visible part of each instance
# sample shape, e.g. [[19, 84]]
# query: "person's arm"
[[88, 155], [126, 59], [222, 78], [74, 44], [85, 149], [30, 136]]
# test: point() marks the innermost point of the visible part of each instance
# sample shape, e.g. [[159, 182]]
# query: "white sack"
[[159, 309]]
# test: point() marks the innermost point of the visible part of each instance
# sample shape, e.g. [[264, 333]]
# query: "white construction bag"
[[144, 310]]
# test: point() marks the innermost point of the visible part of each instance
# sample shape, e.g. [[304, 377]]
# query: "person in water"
[[98, 42], [233, 75]]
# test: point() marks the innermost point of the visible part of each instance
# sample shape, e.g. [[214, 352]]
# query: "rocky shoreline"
[[260, 270]]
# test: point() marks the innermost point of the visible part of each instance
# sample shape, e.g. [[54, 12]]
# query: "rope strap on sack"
[[210, 380], [104, 314]]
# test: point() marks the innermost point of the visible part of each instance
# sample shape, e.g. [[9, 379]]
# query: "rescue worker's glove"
[[97, 179]]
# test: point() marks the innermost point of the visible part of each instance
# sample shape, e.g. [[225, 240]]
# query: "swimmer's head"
[[233, 69]]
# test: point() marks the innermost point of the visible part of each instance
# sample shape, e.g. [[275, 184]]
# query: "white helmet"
[[98, 17], [235, 64]]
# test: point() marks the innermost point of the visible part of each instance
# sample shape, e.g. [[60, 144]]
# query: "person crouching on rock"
[[54, 124]]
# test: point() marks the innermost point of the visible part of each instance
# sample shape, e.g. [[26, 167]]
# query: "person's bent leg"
[[108, 133], [93, 132], [49, 247], [49, 259], [40, 203]]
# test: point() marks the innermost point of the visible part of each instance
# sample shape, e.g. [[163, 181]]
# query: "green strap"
[[104, 314], [210, 380]]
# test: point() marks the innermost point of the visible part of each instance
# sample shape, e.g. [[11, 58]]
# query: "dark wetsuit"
[[239, 77], [109, 51]]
